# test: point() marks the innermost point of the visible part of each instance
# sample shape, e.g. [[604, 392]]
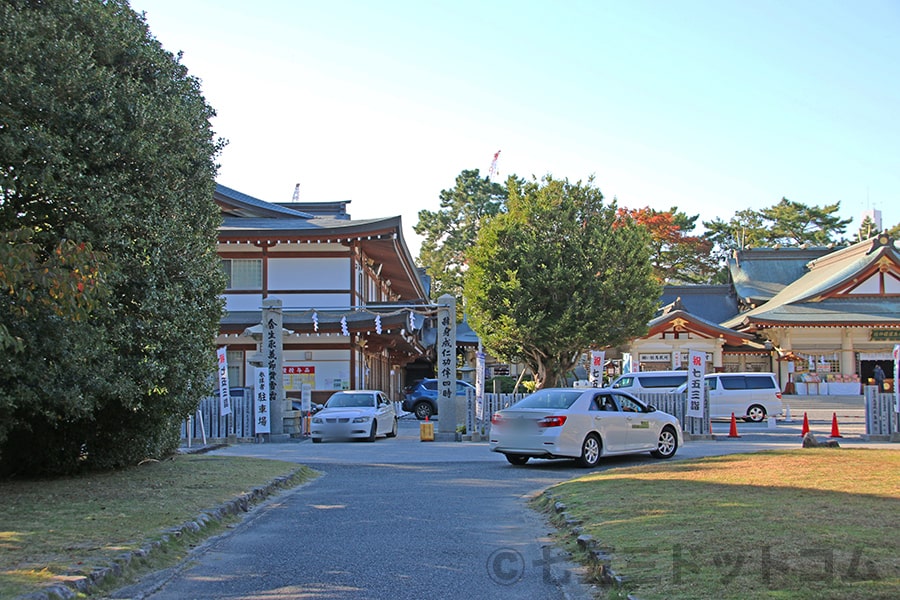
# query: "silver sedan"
[[584, 424]]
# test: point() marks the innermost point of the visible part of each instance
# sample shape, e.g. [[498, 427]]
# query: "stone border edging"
[[598, 559], [80, 582]]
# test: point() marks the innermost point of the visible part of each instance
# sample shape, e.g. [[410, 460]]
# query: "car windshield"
[[558, 399], [343, 400]]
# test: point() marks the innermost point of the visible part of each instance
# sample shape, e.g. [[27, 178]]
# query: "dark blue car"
[[421, 398]]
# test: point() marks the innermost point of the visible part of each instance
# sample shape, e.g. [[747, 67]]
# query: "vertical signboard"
[[446, 363], [479, 384], [224, 389], [696, 371], [896, 379], [273, 349], [262, 422], [598, 357]]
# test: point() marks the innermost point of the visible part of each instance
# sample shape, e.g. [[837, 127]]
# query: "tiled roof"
[[713, 303], [758, 274], [807, 300], [252, 205]]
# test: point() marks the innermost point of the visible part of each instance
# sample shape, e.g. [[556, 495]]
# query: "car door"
[[641, 434], [609, 421], [384, 414], [734, 396]]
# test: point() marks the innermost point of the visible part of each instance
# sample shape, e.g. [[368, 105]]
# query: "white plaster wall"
[[243, 302], [309, 273]]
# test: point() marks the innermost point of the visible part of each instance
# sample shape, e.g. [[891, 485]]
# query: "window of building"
[[235, 359], [242, 273]]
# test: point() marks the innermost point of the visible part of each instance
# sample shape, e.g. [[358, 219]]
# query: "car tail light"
[[552, 421], [778, 395], [496, 419]]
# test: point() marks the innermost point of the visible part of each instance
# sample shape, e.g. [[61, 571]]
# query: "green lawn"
[[801, 524], [50, 527]]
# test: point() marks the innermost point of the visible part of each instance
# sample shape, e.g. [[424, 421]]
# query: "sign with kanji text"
[[595, 375], [224, 388], [261, 417], [696, 371], [296, 375]]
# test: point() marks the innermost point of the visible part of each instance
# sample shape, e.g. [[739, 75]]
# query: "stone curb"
[[84, 581], [598, 558]]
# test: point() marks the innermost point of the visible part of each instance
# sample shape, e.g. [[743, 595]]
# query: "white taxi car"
[[584, 424], [356, 414]]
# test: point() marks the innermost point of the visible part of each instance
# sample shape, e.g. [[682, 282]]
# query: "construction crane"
[[493, 170], [296, 197]]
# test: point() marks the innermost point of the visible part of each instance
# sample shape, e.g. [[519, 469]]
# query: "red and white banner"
[[695, 383], [598, 357]]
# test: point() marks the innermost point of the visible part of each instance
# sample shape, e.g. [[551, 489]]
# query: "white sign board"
[[224, 389], [655, 357], [261, 416], [479, 385], [896, 370], [598, 357], [696, 371]]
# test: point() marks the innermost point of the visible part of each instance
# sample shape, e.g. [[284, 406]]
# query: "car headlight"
[[362, 419], [317, 420]]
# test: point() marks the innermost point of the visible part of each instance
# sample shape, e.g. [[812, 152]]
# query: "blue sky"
[[712, 107]]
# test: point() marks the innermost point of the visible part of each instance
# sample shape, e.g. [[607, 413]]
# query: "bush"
[[105, 145]]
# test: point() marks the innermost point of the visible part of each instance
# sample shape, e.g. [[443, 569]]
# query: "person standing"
[[878, 375]]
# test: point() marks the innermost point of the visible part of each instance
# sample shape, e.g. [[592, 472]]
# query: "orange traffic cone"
[[834, 426], [733, 431], [805, 429]]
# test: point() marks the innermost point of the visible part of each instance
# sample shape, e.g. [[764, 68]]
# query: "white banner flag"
[[896, 370], [695, 383], [598, 357], [224, 389], [262, 421]]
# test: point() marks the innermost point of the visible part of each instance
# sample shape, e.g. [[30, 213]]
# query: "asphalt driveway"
[[405, 519]]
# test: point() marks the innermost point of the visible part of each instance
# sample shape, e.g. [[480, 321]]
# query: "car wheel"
[[423, 411], [393, 432], [756, 413], [667, 444], [517, 459], [590, 451], [316, 440], [372, 432]]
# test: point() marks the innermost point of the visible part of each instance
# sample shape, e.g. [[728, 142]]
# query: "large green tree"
[[105, 143], [559, 272], [450, 231]]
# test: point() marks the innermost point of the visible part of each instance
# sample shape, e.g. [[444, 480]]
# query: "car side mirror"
[[651, 408]]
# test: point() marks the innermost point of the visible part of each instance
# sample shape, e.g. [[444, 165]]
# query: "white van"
[[650, 382], [750, 396]]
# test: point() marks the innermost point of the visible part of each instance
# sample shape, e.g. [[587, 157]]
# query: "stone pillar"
[[446, 363], [273, 350]]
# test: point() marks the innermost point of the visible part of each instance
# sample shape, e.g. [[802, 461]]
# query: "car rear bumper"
[[546, 446]]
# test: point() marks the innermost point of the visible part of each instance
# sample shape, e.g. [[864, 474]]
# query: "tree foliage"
[[107, 167], [559, 272], [676, 256], [451, 231], [786, 223]]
